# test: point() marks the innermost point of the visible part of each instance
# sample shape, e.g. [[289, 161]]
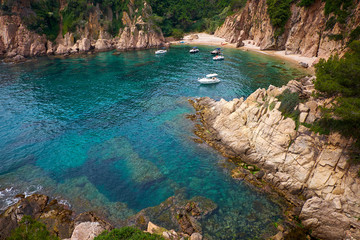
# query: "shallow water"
[[108, 133]]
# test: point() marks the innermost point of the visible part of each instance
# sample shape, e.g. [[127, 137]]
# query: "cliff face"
[[296, 161], [306, 32], [137, 32]]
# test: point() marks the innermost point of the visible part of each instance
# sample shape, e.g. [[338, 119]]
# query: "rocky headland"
[[18, 42], [309, 31], [310, 170], [176, 213]]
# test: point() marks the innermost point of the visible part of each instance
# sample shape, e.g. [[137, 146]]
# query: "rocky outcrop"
[[138, 32], [175, 213], [58, 218], [295, 160], [17, 40], [306, 31]]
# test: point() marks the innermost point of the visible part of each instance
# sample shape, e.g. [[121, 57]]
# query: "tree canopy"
[[339, 78]]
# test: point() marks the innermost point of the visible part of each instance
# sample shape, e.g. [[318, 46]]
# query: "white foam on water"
[[7, 196], [32, 189], [64, 202]]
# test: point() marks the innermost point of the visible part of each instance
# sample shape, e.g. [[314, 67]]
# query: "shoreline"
[[308, 169], [205, 39]]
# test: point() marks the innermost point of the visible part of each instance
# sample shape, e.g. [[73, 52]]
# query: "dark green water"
[[108, 133]]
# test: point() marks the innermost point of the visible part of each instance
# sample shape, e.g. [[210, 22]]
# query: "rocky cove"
[[311, 170], [17, 42]]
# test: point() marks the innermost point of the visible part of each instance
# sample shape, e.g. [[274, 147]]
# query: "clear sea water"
[[108, 133]]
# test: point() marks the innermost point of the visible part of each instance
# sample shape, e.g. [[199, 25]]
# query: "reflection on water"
[[108, 133]]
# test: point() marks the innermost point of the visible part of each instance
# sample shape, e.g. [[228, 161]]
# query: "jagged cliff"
[[308, 31], [137, 31], [311, 169]]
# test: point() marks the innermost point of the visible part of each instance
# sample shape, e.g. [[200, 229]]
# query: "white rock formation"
[[296, 161]]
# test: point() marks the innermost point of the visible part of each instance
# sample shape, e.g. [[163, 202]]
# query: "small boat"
[[194, 50], [218, 58], [161, 51], [210, 79], [216, 51]]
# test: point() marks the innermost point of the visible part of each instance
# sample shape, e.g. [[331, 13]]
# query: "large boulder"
[[87, 231], [84, 45], [102, 45]]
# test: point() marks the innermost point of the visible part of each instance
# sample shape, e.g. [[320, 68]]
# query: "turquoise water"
[[108, 133]]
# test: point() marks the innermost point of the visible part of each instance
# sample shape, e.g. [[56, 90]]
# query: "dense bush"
[[189, 15], [177, 34], [339, 7], [355, 34], [279, 12], [46, 19], [289, 102], [306, 3], [29, 229], [339, 78], [127, 233]]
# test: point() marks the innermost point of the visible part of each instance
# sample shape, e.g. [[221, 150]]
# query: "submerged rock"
[[175, 213]]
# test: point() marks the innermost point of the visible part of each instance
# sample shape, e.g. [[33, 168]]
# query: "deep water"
[[108, 133]]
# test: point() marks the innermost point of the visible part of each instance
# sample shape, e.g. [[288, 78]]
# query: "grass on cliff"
[[279, 13], [288, 108], [30, 229], [127, 233], [193, 16], [46, 19], [339, 78]]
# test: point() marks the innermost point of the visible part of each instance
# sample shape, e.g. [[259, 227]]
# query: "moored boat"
[[218, 58], [216, 51], [161, 51], [209, 79], [194, 50]]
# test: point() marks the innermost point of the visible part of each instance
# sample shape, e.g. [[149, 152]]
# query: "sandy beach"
[[249, 45]]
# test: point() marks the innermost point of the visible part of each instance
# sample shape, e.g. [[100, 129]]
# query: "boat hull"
[[208, 81]]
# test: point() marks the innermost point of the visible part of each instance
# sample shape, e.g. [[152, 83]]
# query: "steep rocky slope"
[[137, 31], [309, 168], [308, 31]]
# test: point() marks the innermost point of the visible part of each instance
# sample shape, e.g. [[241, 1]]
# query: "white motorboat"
[[218, 58], [216, 51], [210, 79], [194, 50], [161, 51]]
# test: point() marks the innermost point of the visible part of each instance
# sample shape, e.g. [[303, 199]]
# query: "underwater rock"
[[122, 154], [175, 213]]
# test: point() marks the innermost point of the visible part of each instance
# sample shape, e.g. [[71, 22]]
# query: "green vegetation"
[[127, 233], [289, 102], [339, 7], [77, 12], [189, 15], [338, 78], [306, 3], [330, 23], [355, 34], [30, 229], [279, 13], [336, 37], [46, 19]]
